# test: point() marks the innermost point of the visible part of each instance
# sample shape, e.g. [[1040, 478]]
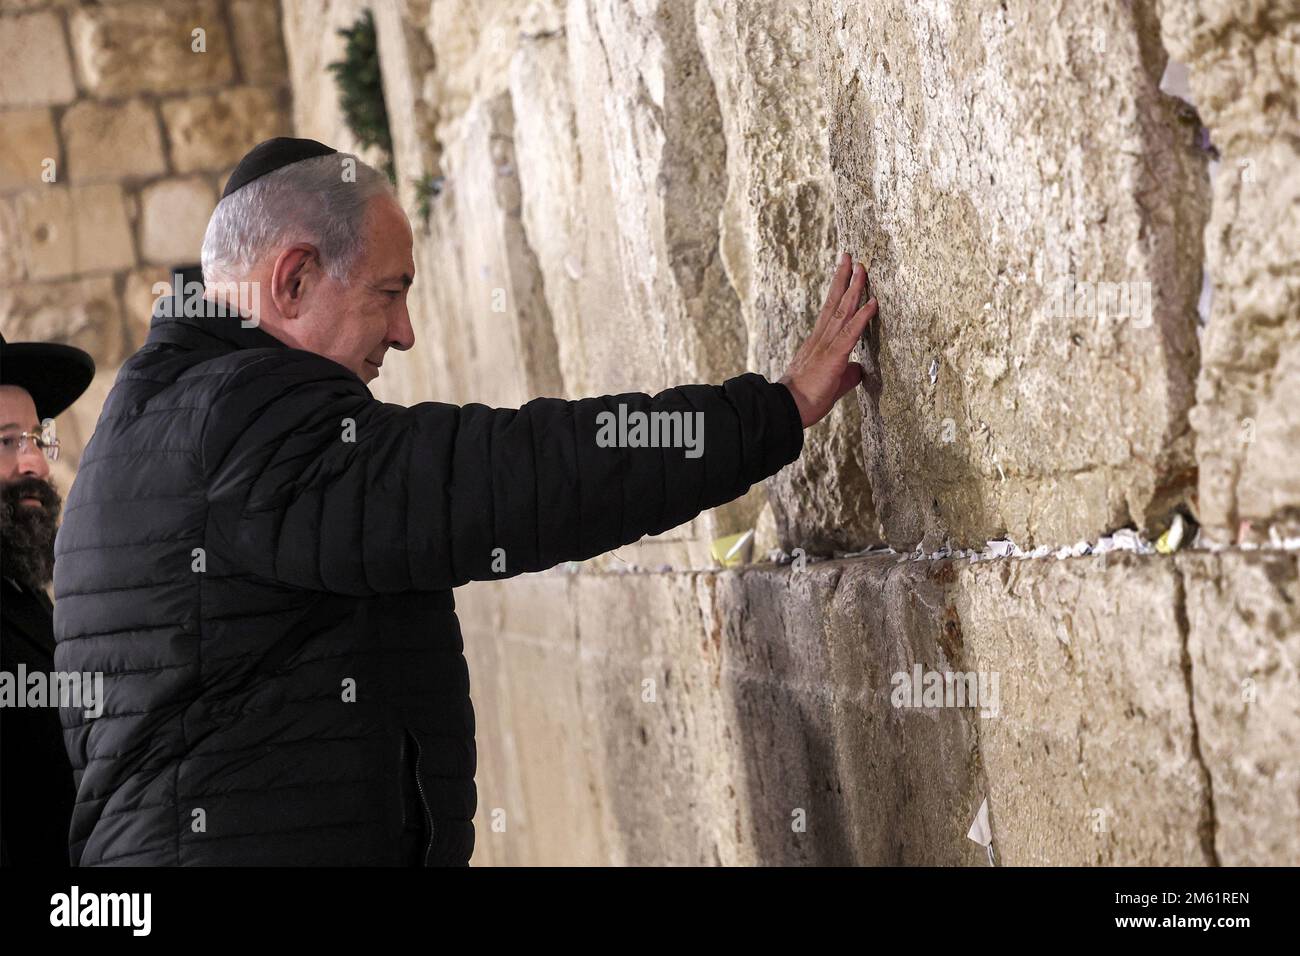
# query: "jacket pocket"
[[417, 815]]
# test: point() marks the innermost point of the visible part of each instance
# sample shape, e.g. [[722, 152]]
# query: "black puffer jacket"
[[271, 603]]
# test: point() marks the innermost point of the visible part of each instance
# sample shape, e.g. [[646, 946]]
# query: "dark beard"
[[27, 533]]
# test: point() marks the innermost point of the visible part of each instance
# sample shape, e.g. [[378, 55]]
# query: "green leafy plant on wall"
[[361, 89], [426, 190]]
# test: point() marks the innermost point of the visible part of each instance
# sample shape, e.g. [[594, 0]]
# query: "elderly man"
[[38, 381], [259, 555]]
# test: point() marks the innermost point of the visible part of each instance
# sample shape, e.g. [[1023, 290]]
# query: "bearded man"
[[38, 381]]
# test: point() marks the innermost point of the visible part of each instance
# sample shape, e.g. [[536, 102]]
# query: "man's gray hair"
[[307, 201]]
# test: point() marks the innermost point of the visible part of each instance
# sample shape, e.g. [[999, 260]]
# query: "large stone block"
[[214, 131], [1242, 71], [28, 138], [778, 243], [1243, 618], [524, 665], [621, 159], [808, 660], [997, 163], [259, 47], [497, 314], [654, 307], [174, 216], [719, 719], [81, 312], [70, 231], [1092, 759], [653, 721], [37, 70], [152, 47], [112, 141]]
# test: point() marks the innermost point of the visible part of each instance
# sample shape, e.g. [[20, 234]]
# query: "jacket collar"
[[205, 326]]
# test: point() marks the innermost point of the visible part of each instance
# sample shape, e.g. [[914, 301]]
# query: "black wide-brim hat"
[[54, 375]]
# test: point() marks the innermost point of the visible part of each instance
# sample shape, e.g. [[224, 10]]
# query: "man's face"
[[357, 323], [17, 415], [29, 503]]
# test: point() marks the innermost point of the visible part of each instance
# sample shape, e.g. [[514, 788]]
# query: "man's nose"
[[33, 463], [401, 335]]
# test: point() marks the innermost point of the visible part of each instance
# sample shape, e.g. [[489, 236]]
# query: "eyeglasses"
[[14, 444]]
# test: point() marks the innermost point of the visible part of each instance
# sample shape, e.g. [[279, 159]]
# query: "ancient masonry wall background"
[[118, 127], [645, 193]]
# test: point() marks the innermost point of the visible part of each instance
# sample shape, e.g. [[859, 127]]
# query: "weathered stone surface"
[[312, 42], [654, 733], [984, 154], [654, 307], [28, 138], [110, 142], [81, 312], [497, 315], [1242, 71], [628, 248], [213, 131], [654, 719], [74, 230], [37, 69], [1092, 759], [129, 48], [1243, 621], [779, 240], [138, 299], [258, 45], [12, 264], [773, 693], [808, 660], [536, 678], [174, 216], [408, 70]]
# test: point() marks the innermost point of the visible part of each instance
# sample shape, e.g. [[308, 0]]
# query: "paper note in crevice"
[[979, 831]]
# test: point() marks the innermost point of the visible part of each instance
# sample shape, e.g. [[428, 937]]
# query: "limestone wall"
[[1082, 225], [119, 123]]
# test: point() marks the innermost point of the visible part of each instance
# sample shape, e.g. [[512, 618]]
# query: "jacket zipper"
[[419, 784]]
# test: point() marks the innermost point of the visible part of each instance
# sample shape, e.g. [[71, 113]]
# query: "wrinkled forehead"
[[17, 410]]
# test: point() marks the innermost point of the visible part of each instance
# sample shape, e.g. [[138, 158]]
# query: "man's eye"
[[8, 441]]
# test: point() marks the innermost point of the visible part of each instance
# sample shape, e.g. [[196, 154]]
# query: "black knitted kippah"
[[270, 155]]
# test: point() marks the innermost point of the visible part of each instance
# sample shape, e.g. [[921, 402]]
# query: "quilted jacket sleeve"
[[314, 483]]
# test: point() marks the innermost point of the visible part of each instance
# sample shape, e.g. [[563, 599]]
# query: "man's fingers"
[[839, 282], [824, 334], [852, 297], [852, 330]]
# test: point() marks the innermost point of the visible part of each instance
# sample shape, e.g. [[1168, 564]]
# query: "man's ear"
[[294, 276]]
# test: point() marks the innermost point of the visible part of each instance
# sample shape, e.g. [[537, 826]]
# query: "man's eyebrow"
[[405, 278], [11, 425]]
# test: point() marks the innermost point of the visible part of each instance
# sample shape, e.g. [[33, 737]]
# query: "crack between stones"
[[1209, 825]]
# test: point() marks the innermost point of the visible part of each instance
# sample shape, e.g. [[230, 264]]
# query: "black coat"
[[228, 734], [36, 788]]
